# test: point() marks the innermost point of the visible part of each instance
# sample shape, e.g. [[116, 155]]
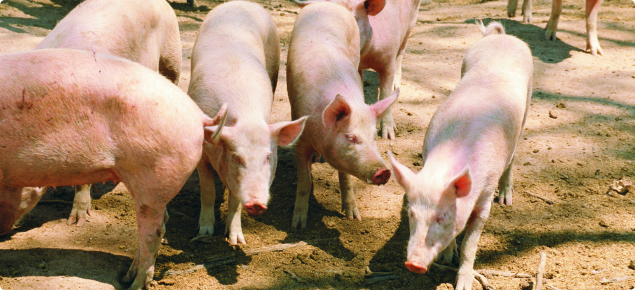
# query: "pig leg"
[[475, 224], [81, 205], [303, 161], [170, 59], [150, 221], [506, 185], [592, 44], [386, 84], [233, 226], [208, 198], [445, 257], [527, 11], [552, 26], [349, 206], [511, 8]]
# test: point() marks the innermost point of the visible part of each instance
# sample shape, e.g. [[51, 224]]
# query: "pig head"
[[352, 147], [15, 202], [438, 211], [248, 172]]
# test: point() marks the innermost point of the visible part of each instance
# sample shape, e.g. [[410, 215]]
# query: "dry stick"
[[541, 269], [548, 201], [504, 274], [295, 277], [480, 278], [224, 259], [612, 280]]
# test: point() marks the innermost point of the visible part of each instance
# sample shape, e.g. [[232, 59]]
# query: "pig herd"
[[97, 101]]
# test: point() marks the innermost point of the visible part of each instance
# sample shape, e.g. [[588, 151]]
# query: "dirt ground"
[[579, 138]]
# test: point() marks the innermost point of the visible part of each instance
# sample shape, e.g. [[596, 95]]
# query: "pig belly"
[[53, 177]]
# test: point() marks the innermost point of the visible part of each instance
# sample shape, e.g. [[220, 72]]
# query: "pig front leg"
[[527, 11], [511, 8], [475, 224], [305, 184], [552, 26], [81, 205], [386, 84], [208, 198], [446, 256], [506, 185], [349, 205], [592, 44], [233, 226]]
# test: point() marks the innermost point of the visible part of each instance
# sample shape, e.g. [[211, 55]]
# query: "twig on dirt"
[[541, 270], [548, 201], [55, 201], [504, 274], [295, 277], [376, 279], [224, 259], [613, 280], [480, 278]]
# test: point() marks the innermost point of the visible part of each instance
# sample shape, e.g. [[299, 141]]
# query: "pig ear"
[[373, 7], [213, 133], [403, 174], [462, 183], [338, 110], [302, 3], [379, 108], [287, 132]]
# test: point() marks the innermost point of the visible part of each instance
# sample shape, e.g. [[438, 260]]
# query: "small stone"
[[526, 163], [632, 265], [561, 106], [536, 151], [604, 224]]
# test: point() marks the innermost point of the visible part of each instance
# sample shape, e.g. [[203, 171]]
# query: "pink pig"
[[324, 84], [592, 9], [235, 61], [468, 150], [70, 117], [145, 31]]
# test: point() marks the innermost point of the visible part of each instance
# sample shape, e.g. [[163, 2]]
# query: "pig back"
[[76, 111], [132, 29], [323, 58], [235, 60]]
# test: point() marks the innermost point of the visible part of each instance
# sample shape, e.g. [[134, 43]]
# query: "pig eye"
[[237, 159], [352, 138]]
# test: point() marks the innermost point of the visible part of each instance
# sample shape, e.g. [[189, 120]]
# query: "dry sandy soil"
[[579, 138]]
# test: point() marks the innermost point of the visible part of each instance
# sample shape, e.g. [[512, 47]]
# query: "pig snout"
[[381, 176], [416, 267], [255, 208]]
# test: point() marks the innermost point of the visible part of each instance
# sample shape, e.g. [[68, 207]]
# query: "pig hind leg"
[[552, 26], [506, 185], [349, 205], [170, 61], [305, 185], [386, 85], [81, 205], [592, 44], [150, 205]]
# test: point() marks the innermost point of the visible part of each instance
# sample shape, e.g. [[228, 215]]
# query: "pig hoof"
[[236, 238], [416, 267]]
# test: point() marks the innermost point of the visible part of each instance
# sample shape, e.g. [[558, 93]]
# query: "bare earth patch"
[[579, 139]]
